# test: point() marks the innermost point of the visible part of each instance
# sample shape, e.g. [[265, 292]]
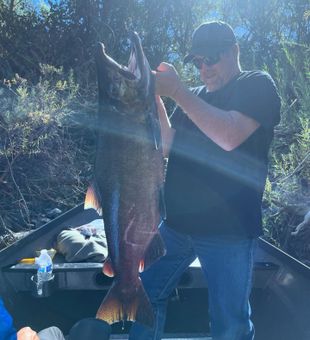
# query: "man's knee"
[[51, 333]]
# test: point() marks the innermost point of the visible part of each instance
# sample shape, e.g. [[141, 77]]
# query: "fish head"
[[125, 89]]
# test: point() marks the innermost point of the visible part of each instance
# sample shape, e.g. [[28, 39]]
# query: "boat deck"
[[169, 337], [280, 297]]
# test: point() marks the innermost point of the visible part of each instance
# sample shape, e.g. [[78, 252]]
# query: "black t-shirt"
[[210, 191]]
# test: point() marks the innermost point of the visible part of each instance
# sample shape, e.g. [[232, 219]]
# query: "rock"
[[52, 213], [6, 240], [303, 225], [31, 225], [43, 220], [21, 234]]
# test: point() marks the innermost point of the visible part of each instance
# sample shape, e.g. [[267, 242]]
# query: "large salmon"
[[128, 178]]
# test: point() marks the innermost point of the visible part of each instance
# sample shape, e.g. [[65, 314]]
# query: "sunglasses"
[[207, 60]]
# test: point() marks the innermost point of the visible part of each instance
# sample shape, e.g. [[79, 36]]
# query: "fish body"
[[128, 179]]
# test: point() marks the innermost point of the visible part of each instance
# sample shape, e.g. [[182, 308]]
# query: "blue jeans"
[[227, 264]]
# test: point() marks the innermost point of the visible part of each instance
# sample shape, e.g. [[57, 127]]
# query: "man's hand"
[[26, 333], [168, 82]]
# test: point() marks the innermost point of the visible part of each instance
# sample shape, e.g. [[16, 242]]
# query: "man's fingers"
[[27, 333], [163, 67]]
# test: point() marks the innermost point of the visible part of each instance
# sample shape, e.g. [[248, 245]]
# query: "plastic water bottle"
[[45, 269]]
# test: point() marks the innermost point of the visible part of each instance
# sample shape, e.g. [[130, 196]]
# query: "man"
[[7, 331], [88, 328], [220, 137]]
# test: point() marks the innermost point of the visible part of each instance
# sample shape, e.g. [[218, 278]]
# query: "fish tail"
[[117, 307], [92, 199]]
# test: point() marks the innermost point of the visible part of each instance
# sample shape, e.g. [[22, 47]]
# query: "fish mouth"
[[131, 72], [119, 82]]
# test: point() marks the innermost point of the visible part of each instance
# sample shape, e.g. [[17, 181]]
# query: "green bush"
[[44, 159], [287, 195]]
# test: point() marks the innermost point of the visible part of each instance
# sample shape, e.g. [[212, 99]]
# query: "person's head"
[[215, 53], [90, 328]]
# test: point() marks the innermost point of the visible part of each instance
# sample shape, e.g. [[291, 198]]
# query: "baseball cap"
[[90, 328], [210, 38]]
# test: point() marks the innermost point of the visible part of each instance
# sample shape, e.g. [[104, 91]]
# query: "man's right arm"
[[167, 132]]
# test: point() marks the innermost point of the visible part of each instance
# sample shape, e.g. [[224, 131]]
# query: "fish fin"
[[111, 308], [155, 250], [108, 268], [92, 201], [141, 266], [117, 306]]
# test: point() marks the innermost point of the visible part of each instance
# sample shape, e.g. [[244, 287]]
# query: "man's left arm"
[[228, 129], [26, 333]]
